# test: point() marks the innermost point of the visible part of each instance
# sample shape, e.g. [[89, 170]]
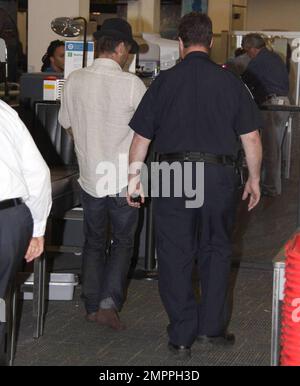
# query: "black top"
[[196, 106], [267, 74]]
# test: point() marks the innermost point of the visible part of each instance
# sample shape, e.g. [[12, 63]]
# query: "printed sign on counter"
[[74, 56]]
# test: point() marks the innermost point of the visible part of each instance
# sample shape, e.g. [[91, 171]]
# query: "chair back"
[[54, 143]]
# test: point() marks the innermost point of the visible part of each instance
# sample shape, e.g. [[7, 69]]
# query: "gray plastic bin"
[[61, 286]]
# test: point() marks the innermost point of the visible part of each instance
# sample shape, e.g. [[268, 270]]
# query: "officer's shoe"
[[180, 352], [225, 340]]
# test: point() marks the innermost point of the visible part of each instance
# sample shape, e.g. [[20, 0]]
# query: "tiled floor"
[[69, 340]]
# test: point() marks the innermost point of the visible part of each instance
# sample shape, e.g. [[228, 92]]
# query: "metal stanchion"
[[4, 64], [150, 266], [150, 256], [150, 260], [298, 223]]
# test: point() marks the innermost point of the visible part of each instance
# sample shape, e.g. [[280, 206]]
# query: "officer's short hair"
[[253, 41], [196, 29]]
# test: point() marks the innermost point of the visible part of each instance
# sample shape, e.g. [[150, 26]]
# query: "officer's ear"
[[181, 48], [212, 43], [120, 49]]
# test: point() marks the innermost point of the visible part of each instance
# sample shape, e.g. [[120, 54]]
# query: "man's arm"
[[138, 153], [143, 123], [63, 115], [253, 149]]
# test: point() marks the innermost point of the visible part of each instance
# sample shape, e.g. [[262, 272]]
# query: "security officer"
[[197, 111], [268, 79]]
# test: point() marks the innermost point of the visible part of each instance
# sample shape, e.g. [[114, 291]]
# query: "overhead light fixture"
[[71, 28]]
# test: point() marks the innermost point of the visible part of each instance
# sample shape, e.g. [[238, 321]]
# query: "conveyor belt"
[[65, 189]]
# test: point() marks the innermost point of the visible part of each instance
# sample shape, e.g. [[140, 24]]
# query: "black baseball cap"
[[119, 29]]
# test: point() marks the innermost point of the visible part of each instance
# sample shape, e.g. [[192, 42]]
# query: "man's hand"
[[253, 149], [252, 189], [135, 191], [137, 156], [35, 249]]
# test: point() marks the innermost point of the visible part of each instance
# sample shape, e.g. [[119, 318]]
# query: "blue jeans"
[[104, 276]]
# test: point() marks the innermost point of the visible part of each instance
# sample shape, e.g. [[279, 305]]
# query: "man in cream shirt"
[[25, 198], [98, 104]]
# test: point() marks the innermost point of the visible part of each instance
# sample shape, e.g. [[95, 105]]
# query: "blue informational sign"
[[194, 5], [78, 46]]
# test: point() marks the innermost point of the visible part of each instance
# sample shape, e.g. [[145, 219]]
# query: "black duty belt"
[[224, 160], [10, 203]]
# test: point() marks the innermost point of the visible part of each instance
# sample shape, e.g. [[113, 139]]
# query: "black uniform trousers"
[[204, 235], [16, 227]]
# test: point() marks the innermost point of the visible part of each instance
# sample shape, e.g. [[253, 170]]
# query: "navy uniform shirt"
[[196, 106], [267, 74]]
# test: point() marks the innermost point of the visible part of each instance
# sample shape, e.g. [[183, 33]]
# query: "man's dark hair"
[[108, 45], [253, 41], [54, 45], [196, 29]]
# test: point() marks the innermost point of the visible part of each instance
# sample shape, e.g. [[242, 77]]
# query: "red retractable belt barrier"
[[290, 336]]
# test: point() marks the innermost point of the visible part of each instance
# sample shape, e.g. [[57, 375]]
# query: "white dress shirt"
[[98, 103], [23, 172]]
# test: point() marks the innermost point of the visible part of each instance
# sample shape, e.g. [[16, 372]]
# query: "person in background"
[[241, 60], [238, 64], [25, 199], [97, 105], [268, 79], [9, 32], [54, 59]]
